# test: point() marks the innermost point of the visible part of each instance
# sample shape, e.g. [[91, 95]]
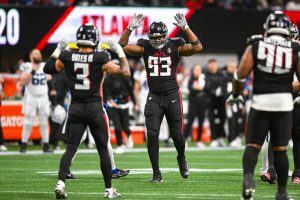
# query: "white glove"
[[181, 21], [61, 45], [231, 100], [136, 21], [116, 48]]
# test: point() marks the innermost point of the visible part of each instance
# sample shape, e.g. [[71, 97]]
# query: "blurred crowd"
[[194, 4], [204, 90]]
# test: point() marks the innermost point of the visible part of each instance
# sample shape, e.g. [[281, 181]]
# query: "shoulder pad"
[[254, 38], [142, 42], [178, 40]]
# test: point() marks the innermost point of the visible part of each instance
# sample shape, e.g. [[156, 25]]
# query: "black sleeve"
[[179, 41], [254, 38], [103, 57], [141, 42], [49, 67], [63, 56], [106, 88]]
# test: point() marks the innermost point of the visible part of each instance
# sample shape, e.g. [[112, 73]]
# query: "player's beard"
[[37, 60]]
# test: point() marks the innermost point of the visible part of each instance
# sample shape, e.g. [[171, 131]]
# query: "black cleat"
[[183, 167], [23, 147], [117, 173], [70, 176], [248, 187], [270, 176], [46, 148], [282, 196], [157, 178]]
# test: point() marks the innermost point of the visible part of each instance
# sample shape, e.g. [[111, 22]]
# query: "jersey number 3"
[[160, 66], [82, 76]]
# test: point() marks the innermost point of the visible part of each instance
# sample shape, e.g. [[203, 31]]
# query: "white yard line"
[[144, 171], [178, 195]]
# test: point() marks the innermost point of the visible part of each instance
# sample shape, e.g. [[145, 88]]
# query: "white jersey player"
[[36, 100]]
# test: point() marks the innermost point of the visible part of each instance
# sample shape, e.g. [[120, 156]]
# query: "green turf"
[[33, 177]]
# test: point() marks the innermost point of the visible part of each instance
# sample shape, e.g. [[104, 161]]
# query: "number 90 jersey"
[[37, 86], [161, 65], [275, 59], [84, 71]]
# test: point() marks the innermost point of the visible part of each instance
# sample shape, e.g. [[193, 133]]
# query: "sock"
[[44, 128], [153, 148], [66, 160], [111, 155], [250, 159], [282, 168], [61, 183], [26, 132], [265, 157]]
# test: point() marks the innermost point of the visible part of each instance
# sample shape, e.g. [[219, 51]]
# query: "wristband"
[[186, 27], [129, 28], [56, 52], [195, 42]]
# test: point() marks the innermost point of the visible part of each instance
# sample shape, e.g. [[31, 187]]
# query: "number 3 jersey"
[[84, 71], [37, 86], [161, 65], [275, 59]]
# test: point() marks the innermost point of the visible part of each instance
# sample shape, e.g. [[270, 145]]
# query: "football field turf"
[[214, 174]]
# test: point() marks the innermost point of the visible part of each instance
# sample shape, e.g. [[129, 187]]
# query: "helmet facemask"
[[158, 35], [158, 43]]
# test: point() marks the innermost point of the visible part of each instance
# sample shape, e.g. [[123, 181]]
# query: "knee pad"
[[29, 120], [43, 119]]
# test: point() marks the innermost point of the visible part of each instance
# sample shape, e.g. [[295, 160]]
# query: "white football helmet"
[[58, 114]]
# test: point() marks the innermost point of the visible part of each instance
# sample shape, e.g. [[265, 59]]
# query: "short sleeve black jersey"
[[84, 70], [161, 65], [274, 65]]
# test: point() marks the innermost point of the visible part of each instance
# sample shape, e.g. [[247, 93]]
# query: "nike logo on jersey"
[[173, 101]]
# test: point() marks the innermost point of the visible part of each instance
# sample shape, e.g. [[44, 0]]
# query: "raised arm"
[[132, 49], [195, 45], [53, 64], [111, 68]]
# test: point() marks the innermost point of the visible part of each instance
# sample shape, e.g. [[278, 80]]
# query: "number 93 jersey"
[[161, 65], [37, 86], [84, 71], [275, 59]]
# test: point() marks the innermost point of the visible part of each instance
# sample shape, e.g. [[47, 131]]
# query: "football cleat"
[[282, 196], [157, 178], [269, 176], [60, 192], [111, 193], [46, 148], [248, 187], [70, 175], [117, 173], [183, 167], [23, 147]]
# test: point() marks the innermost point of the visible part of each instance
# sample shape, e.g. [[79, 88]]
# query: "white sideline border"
[[133, 150]]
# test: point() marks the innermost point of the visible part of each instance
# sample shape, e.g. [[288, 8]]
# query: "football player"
[[274, 59], [85, 71], [36, 99], [161, 56]]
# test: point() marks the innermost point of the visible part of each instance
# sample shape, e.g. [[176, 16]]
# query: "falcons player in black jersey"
[[274, 59], [161, 55], [85, 70]]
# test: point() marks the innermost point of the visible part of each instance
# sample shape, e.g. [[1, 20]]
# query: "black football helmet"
[[294, 32], [158, 29], [277, 23], [87, 35]]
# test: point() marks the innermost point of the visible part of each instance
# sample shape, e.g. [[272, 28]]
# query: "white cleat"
[[111, 193], [60, 192], [200, 145]]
